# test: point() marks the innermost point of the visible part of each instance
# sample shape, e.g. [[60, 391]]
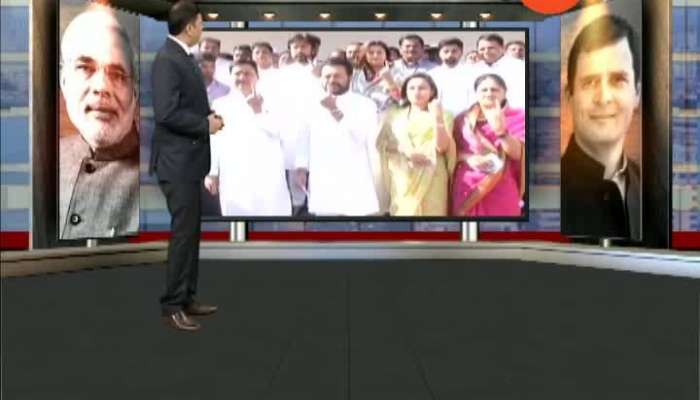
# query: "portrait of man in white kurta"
[[333, 148]]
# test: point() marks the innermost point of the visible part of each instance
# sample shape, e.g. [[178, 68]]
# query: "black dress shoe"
[[181, 321], [200, 309]]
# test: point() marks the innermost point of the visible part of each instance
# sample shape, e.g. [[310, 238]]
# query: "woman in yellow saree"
[[418, 152]]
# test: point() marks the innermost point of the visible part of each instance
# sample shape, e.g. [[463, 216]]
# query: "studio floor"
[[360, 330]]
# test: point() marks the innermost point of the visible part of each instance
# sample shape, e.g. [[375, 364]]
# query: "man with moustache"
[[99, 166], [298, 88], [412, 48], [453, 79], [494, 61], [209, 45], [268, 76], [180, 157], [247, 163], [353, 53], [601, 194], [516, 49], [333, 148]]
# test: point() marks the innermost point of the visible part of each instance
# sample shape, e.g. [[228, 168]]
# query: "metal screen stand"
[[237, 232], [470, 232]]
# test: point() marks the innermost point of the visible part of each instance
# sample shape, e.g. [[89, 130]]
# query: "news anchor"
[[180, 158]]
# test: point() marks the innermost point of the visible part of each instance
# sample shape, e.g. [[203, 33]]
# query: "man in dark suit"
[[180, 158], [601, 195]]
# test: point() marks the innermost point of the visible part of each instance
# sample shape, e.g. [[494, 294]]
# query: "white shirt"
[[512, 71], [401, 70], [222, 71], [268, 81], [296, 89], [337, 157], [247, 157], [455, 86]]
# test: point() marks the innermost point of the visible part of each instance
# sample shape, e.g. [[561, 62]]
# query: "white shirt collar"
[[182, 44]]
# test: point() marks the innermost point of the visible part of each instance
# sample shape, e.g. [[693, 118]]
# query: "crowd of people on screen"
[[371, 130]]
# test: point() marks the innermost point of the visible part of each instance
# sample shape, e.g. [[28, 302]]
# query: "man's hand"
[[299, 178], [211, 183], [215, 123], [255, 101]]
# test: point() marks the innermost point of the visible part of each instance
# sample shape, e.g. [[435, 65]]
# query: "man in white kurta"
[[454, 80], [494, 61], [295, 89], [247, 162], [209, 45], [333, 148]]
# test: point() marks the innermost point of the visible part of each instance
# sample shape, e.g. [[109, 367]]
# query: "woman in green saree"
[[417, 151]]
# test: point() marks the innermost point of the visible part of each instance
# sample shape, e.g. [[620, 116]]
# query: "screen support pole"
[[237, 232], [91, 243], [470, 232]]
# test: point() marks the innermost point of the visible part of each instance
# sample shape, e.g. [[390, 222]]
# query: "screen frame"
[[524, 217]]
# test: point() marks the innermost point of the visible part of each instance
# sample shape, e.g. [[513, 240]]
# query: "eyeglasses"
[[86, 68]]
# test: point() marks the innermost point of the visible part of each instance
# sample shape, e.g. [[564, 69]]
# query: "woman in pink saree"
[[490, 138]]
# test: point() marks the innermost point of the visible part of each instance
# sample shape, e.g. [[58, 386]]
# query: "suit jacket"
[[180, 149], [592, 206]]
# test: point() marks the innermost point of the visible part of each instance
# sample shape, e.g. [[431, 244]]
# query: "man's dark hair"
[[424, 76], [299, 37], [266, 45], [413, 37], [520, 42], [248, 62], [340, 62], [603, 31], [314, 40], [217, 42], [181, 14], [244, 48], [206, 57], [490, 37], [451, 42]]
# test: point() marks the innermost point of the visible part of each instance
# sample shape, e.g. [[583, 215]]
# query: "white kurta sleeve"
[[215, 145], [267, 120], [301, 156], [360, 121]]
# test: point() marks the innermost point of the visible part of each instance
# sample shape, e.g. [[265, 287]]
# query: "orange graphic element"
[[550, 6]]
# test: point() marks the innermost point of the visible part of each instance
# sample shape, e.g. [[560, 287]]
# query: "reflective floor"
[[449, 329]]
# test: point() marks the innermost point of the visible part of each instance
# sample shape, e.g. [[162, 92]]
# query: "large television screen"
[[367, 124], [98, 138]]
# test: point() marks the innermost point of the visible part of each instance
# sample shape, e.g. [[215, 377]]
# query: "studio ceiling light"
[[380, 15], [436, 15], [269, 15], [485, 15], [324, 15], [212, 15]]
